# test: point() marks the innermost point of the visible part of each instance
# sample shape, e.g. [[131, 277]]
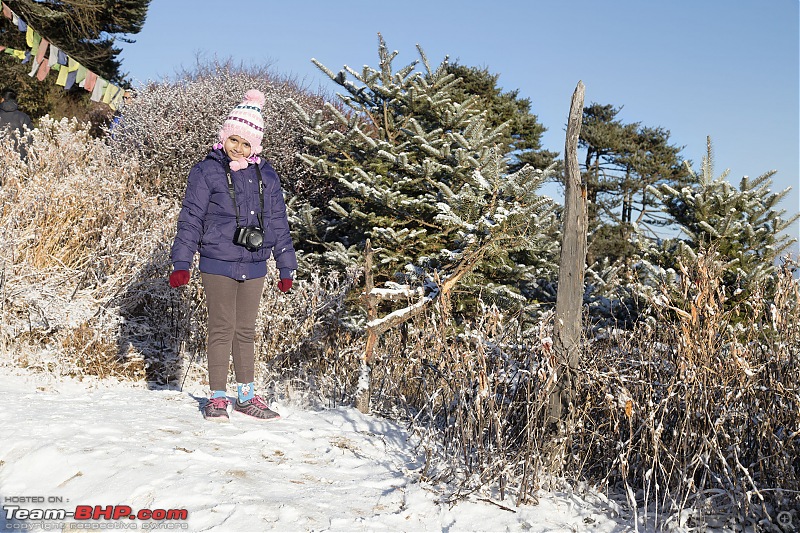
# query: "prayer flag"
[[42, 50]]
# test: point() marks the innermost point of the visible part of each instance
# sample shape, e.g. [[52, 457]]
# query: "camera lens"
[[255, 239]]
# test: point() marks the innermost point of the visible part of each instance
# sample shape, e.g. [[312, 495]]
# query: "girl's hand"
[[181, 277], [285, 284]]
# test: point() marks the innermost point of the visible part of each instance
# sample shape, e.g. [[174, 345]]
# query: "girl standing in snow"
[[234, 215]]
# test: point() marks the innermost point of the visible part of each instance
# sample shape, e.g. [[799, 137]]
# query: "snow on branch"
[[397, 293], [379, 325]]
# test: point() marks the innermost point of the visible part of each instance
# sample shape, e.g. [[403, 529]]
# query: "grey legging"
[[232, 311]]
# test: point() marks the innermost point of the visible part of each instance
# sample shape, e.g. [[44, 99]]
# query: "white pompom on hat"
[[246, 121]]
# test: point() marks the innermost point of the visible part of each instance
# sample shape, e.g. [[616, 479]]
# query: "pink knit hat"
[[245, 120]]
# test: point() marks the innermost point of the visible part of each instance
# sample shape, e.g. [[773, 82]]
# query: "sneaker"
[[216, 409], [257, 408]]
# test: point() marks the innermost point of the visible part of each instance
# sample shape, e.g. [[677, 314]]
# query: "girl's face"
[[236, 147]]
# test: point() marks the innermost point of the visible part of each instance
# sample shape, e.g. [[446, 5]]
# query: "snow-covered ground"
[[68, 444]]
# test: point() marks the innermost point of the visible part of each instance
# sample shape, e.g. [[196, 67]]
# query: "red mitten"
[[179, 278], [285, 284]]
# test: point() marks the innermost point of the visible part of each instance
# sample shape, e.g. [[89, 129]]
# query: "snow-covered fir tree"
[[743, 226], [418, 172]]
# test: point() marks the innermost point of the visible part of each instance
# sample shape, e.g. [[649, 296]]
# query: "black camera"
[[251, 237]]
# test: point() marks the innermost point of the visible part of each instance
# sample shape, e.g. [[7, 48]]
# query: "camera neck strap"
[[232, 193]]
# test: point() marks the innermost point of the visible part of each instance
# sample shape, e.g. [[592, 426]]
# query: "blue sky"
[[719, 68]]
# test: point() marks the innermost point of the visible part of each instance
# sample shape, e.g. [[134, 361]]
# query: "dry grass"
[[75, 231], [692, 418], [94, 354], [701, 407]]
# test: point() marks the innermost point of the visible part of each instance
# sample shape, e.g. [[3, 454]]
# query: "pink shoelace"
[[218, 403], [259, 402]]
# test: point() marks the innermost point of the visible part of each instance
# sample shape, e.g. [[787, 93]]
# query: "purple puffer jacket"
[[207, 221]]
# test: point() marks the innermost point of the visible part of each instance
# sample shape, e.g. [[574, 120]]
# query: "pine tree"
[[602, 135], [420, 175], [523, 137], [622, 162], [744, 226]]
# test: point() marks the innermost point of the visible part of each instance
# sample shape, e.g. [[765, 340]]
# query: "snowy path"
[[106, 443]]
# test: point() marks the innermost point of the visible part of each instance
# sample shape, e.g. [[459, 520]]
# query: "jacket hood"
[[9, 105], [218, 155]]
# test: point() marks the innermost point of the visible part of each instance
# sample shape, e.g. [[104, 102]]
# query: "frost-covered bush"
[[73, 234], [172, 124]]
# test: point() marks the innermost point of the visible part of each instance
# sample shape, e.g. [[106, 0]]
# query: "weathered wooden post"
[[569, 299]]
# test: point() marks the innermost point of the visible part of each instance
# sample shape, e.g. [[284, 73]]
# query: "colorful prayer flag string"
[[69, 70]]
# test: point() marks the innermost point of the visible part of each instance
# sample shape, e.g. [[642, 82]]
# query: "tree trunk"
[[569, 299], [362, 396]]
